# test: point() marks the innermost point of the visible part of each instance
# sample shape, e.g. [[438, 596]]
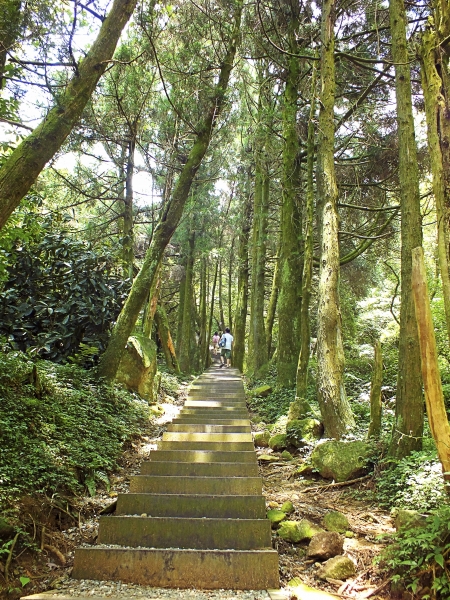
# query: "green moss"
[[341, 461], [261, 439], [275, 516], [302, 432], [287, 507], [278, 442], [336, 521], [338, 567]]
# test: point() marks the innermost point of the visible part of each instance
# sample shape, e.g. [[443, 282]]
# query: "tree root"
[[339, 484]]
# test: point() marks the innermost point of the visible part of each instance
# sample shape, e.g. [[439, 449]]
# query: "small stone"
[[349, 534], [285, 455], [287, 507], [275, 516], [325, 545], [262, 391], [336, 521], [261, 438], [278, 442], [297, 531], [273, 504], [144, 515], [338, 567], [267, 458]]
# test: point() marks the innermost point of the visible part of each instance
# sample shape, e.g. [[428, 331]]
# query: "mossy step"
[[182, 436], [203, 456], [232, 410], [160, 484], [186, 469], [175, 532], [192, 419], [208, 428], [192, 505], [201, 569], [205, 445]]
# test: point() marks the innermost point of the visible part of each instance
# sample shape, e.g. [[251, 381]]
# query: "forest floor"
[[61, 525]]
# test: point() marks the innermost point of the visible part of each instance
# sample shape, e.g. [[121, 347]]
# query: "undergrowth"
[[60, 430]]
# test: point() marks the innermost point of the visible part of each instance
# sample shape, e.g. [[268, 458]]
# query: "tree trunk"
[[185, 351], [272, 306], [171, 216], [290, 259], [221, 313], [335, 409], [437, 110], [207, 356], [240, 317], [408, 424], [10, 23], [162, 325], [375, 393], [23, 166], [434, 397], [153, 298], [300, 407], [204, 339], [230, 285], [127, 234]]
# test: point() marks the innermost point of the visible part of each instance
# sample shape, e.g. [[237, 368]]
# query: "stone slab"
[[192, 505], [201, 569], [182, 436], [208, 428], [204, 445], [215, 404], [202, 456], [149, 484], [193, 419], [188, 469], [176, 532]]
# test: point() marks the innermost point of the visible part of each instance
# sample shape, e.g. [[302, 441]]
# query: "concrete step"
[[192, 505], [217, 486], [176, 532], [182, 436], [216, 413], [186, 469], [203, 456], [214, 404], [208, 428], [227, 446], [192, 419], [201, 569]]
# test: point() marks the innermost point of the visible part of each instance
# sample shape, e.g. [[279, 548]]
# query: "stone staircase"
[[195, 516]]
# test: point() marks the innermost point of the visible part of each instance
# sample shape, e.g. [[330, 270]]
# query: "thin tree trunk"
[[23, 166], [127, 234], [375, 393], [408, 424], [335, 409], [203, 340], [172, 214], [162, 325], [153, 298], [290, 259], [240, 317], [230, 285], [434, 397], [185, 351], [10, 23], [272, 306], [206, 356], [221, 313]]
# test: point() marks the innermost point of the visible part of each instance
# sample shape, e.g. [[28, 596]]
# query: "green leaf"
[[24, 581], [439, 559]]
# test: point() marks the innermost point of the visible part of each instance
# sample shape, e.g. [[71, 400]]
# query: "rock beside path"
[[338, 567], [325, 545], [341, 461]]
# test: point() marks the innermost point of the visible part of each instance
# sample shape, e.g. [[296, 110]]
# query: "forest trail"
[[195, 516]]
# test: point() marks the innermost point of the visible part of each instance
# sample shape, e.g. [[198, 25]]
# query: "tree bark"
[[434, 397], [185, 348], [204, 339], [207, 356], [171, 216], [272, 306], [408, 423], [153, 298], [291, 254], [23, 166], [128, 221], [162, 325], [335, 409], [10, 22], [375, 393]]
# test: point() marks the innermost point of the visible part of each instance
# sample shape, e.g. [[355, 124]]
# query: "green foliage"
[[415, 482], [59, 294], [60, 430], [417, 557]]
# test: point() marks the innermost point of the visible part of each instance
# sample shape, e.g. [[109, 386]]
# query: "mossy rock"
[[285, 455], [302, 432], [336, 521], [155, 410], [409, 519], [305, 470], [341, 461], [287, 507], [261, 439], [338, 567], [138, 367], [297, 531], [262, 391], [278, 442], [275, 516], [268, 458]]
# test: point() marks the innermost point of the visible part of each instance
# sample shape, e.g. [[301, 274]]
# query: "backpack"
[[222, 342]]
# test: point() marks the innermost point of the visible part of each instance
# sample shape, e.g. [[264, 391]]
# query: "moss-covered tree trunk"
[[172, 212], [240, 318], [435, 76], [10, 22], [375, 393], [23, 166], [408, 424], [185, 348], [300, 406], [291, 254], [165, 337], [152, 303], [272, 306], [335, 409]]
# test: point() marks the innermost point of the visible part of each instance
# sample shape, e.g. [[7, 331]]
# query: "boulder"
[[341, 461], [338, 567], [302, 432], [275, 516], [261, 438], [336, 521], [287, 507], [278, 442], [297, 531], [137, 369], [409, 519], [262, 391], [325, 545]]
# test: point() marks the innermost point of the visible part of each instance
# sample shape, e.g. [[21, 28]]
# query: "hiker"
[[225, 344], [215, 342]]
